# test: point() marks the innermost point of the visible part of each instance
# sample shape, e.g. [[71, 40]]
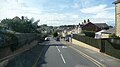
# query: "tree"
[[7, 23], [55, 34], [23, 25]]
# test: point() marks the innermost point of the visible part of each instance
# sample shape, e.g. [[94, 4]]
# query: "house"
[[117, 17], [104, 33], [110, 31], [45, 29], [67, 29], [98, 34], [107, 33], [102, 26], [90, 27]]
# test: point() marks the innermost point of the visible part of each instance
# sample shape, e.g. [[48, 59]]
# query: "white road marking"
[[62, 58], [64, 46], [58, 49]]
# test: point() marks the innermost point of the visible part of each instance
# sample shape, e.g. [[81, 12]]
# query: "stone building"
[[117, 17]]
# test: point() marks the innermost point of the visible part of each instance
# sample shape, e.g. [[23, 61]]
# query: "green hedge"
[[89, 33], [113, 36], [17, 40]]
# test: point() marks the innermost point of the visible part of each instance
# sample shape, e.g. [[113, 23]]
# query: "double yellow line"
[[88, 57]]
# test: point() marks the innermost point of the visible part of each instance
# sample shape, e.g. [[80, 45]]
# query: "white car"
[[47, 39]]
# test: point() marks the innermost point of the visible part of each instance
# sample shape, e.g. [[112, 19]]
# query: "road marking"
[[64, 46], [89, 58], [62, 58], [58, 48]]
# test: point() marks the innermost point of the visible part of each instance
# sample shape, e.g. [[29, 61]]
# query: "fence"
[[88, 40], [108, 46]]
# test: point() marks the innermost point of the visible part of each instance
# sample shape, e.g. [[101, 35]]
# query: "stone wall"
[[117, 19]]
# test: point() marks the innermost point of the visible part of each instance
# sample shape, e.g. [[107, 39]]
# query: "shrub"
[[113, 36], [55, 34], [11, 40], [89, 33]]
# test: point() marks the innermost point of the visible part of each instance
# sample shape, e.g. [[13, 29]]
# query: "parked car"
[[67, 39], [57, 39], [47, 39]]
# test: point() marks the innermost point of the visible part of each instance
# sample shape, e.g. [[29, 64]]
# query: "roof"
[[117, 1], [110, 31], [16, 18], [99, 32], [101, 25], [86, 24]]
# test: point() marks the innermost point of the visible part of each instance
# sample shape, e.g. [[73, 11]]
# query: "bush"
[[113, 36], [89, 33], [11, 40], [55, 34]]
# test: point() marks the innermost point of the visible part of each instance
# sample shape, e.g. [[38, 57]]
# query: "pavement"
[[61, 54], [106, 60]]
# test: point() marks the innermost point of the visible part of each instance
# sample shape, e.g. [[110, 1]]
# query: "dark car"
[[57, 39]]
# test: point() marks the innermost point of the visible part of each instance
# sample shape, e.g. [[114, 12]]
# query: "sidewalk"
[[103, 58], [4, 60]]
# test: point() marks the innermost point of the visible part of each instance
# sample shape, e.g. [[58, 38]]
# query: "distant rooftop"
[[101, 25], [110, 31]]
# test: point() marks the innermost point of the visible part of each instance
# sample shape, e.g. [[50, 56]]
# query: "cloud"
[[21, 8], [55, 13], [76, 5], [94, 9], [60, 19], [100, 13]]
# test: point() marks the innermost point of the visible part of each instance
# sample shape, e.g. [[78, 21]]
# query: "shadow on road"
[[41, 60], [30, 57], [54, 45]]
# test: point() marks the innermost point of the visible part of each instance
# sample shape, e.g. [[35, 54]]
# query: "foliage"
[[60, 35], [55, 34], [23, 25], [89, 33], [9, 40], [113, 36]]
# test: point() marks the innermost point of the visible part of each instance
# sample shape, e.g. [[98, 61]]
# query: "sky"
[[60, 12]]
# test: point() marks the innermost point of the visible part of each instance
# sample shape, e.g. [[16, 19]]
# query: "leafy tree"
[[55, 34], [23, 25], [7, 23]]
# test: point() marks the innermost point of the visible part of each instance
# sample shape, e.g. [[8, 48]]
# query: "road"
[[57, 54], [60, 55]]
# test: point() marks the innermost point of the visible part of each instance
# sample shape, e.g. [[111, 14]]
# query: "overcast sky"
[[59, 12]]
